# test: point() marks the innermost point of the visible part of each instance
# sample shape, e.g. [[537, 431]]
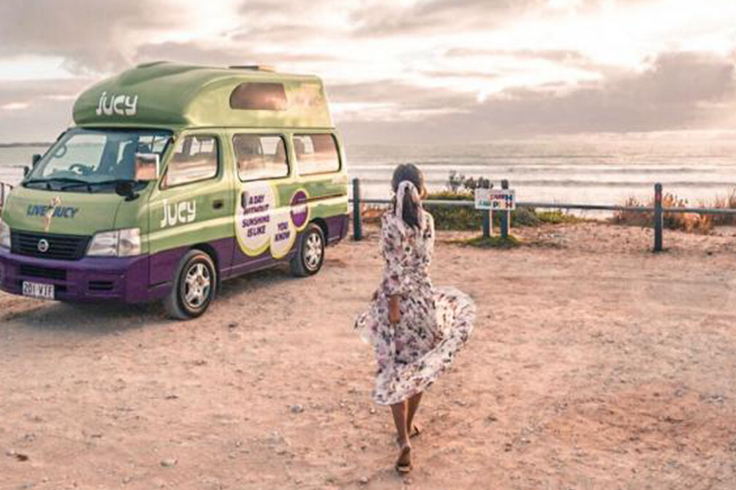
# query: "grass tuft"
[[492, 242], [557, 217]]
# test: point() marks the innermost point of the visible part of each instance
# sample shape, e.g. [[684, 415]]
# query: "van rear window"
[[259, 96]]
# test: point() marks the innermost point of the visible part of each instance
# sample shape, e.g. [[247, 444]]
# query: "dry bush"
[[689, 222], [372, 214], [728, 202]]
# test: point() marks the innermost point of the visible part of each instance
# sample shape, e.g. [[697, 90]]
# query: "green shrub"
[[455, 217], [469, 218]]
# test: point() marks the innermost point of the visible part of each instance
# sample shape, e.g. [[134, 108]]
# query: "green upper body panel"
[[76, 213], [167, 95], [187, 100]]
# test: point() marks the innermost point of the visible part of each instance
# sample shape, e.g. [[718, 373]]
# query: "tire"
[[311, 254], [194, 286]]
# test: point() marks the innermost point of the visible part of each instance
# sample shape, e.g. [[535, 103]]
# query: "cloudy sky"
[[400, 70]]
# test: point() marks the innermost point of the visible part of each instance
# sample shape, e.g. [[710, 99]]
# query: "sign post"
[[487, 223], [505, 217], [658, 225], [490, 200]]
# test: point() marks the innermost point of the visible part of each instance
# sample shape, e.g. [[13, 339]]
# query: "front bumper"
[[90, 279]]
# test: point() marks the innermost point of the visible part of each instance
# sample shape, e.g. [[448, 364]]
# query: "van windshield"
[[95, 160]]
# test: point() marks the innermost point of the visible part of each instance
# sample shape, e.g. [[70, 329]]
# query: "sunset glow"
[[495, 64]]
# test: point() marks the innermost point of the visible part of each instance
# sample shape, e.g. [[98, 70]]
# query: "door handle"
[[244, 199], [217, 204]]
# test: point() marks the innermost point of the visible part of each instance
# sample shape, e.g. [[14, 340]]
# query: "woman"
[[415, 329]]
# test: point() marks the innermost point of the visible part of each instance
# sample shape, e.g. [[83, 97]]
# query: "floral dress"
[[435, 322]]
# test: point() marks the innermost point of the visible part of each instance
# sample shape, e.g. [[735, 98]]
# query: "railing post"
[[357, 219], [505, 215], [658, 217]]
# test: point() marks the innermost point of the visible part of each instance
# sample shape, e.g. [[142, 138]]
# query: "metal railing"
[[658, 211]]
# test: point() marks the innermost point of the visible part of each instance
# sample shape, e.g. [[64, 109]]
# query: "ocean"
[[600, 172]]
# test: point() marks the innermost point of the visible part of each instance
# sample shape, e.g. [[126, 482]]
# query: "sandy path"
[[594, 365]]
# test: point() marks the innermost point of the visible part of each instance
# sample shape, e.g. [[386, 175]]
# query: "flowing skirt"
[[411, 355]]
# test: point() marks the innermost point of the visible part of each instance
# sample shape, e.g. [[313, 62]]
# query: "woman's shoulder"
[[389, 220]]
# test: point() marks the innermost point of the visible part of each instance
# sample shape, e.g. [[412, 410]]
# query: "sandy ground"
[[594, 364]]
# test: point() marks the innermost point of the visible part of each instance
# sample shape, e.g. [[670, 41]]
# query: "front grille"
[[60, 247], [101, 285], [44, 272]]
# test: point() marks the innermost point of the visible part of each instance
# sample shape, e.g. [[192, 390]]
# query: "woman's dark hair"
[[410, 172]]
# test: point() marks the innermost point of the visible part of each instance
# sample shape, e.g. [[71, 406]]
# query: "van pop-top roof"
[[168, 95]]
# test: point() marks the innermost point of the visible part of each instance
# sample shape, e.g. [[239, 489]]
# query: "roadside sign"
[[495, 199]]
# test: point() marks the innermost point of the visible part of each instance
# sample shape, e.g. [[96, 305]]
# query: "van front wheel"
[[311, 254], [194, 286]]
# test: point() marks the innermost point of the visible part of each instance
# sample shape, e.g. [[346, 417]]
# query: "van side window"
[[195, 158], [316, 153], [260, 156]]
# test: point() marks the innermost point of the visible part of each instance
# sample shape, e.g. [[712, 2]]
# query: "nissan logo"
[[43, 245]]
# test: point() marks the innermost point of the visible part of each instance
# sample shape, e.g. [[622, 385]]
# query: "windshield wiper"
[[78, 183], [55, 179], [99, 183], [123, 187], [115, 181]]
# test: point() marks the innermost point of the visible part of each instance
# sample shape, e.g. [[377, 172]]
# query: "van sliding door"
[[263, 228]]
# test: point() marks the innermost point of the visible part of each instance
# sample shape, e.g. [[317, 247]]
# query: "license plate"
[[38, 290]]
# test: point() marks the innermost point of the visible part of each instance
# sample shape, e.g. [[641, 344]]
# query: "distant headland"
[[23, 145]]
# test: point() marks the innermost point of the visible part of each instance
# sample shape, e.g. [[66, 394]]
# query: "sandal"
[[405, 453]]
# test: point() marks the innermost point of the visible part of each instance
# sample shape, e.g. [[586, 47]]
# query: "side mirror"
[[26, 171], [125, 189], [34, 161], [147, 167]]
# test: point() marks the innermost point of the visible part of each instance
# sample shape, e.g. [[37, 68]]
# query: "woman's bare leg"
[[413, 406], [399, 411]]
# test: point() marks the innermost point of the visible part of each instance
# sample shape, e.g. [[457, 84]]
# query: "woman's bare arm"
[[394, 310]]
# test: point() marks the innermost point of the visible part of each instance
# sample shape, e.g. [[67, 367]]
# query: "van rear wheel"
[[311, 254], [194, 286]]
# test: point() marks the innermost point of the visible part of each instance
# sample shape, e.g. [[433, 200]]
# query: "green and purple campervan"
[[173, 179]]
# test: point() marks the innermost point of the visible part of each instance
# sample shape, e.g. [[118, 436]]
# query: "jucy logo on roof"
[[122, 105]]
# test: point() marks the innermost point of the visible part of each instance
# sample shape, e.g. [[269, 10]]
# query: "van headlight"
[[4, 235], [118, 243]]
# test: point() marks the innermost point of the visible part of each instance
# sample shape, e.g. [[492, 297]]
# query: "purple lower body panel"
[[134, 279], [87, 280], [337, 228]]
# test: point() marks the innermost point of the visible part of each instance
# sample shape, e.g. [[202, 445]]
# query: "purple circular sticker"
[[299, 208]]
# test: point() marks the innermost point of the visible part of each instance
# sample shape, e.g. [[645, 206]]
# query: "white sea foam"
[[604, 172]]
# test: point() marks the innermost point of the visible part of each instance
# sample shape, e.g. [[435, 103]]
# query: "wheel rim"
[[313, 251], [197, 285]]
